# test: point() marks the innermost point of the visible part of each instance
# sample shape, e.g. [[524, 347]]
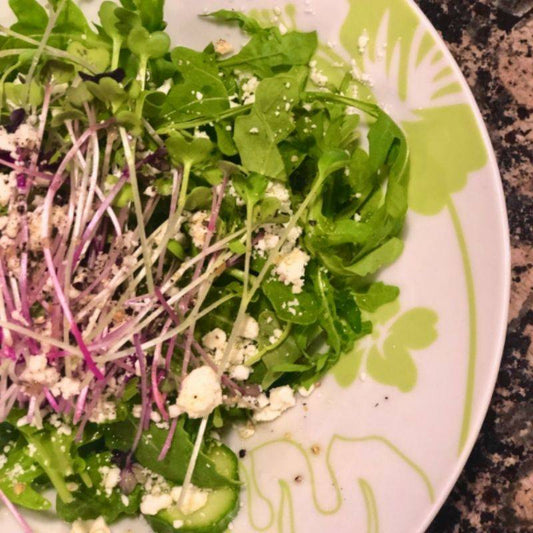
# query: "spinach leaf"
[[173, 467], [55, 454], [89, 503]]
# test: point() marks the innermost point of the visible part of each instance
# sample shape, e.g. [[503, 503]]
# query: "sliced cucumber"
[[221, 507], [214, 517]]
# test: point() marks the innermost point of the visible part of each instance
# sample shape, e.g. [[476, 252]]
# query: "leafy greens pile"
[[186, 238]]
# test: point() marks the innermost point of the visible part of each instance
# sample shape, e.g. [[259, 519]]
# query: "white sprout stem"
[[3, 317], [192, 462], [16, 294], [130, 160], [198, 281], [76, 231], [150, 129], [220, 370], [174, 222], [176, 183], [42, 45], [120, 277], [96, 162], [43, 339], [147, 345]]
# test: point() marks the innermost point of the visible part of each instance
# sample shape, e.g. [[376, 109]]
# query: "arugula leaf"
[[301, 308], [269, 52], [270, 122], [376, 295], [251, 188], [201, 91], [248, 24]]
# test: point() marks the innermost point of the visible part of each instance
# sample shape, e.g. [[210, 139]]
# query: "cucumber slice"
[[221, 507]]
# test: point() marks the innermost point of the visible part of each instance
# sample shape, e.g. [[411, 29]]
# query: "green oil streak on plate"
[[286, 496], [253, 488], [472, 322], [372, 517]]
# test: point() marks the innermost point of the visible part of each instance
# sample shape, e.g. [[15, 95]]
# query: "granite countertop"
[[492, 40]]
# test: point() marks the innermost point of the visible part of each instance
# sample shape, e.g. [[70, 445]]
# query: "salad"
[[187, 243]]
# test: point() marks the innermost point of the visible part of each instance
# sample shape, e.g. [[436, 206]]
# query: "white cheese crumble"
[[316, 75], [277, 190], [198, 227], [248, 90], [276, 335], [246, 431], [37, 371], [279, 400], [304, 393], [240, 373], [151, 504], [200, 392], [290, 268], [250, 328], [194, 500], [215, 340], [110, 478], [7, 184], [67, 387], [105, 411]]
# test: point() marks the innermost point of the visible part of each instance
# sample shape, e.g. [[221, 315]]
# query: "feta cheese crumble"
[[200, 392], [250, 328], [290, 268], [198, 227], [279, 400]]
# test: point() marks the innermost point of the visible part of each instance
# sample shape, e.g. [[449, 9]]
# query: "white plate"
[[391, 433]]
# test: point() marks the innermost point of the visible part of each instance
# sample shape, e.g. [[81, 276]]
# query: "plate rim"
[[486, 393]]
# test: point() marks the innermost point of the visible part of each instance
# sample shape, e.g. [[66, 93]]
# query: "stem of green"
[[128, 152], [117, 43], [202, 121], [56, 52], [370, 109], [40, 49]]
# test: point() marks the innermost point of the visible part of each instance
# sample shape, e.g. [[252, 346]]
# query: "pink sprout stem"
[[168, 440], [15, 512], [144, 394]]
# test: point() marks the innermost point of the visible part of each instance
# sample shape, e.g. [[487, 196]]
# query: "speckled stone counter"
[[492, 40]]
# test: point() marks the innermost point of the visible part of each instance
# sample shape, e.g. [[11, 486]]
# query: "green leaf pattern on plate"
[[387, 354]]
